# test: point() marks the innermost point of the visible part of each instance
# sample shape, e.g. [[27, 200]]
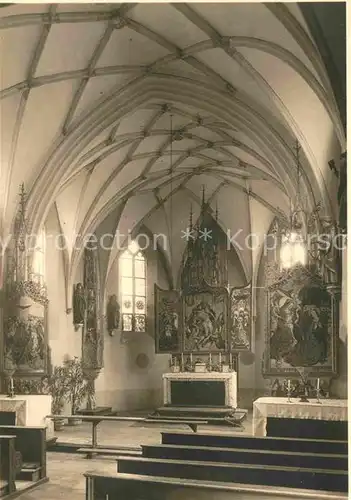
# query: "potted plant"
[[58, 389], [77, 386]]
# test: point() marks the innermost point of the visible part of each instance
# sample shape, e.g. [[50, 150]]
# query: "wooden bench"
[[250, 442], [96, 420], [332, 430], [31, 443], [246, 456], [254, 474], [118, 486], [7, 465]]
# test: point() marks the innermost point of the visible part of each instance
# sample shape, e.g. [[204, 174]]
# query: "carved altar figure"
[[329, 254], [240, 315], [205, 322], [113, 314], [79, 304]]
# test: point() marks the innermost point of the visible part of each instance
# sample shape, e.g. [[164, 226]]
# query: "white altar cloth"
[[327, 409], [31, 410], [229, 379]]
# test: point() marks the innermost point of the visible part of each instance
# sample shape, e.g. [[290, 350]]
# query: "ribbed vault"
[[134, 107]]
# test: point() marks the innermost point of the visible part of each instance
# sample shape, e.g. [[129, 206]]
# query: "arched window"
[[132, 280], [38, 263]]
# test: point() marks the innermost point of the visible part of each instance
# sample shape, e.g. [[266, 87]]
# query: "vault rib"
[[123, 163], [22, 106], [90, 69]]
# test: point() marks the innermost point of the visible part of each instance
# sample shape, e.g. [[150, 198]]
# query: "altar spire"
[[205, 260]]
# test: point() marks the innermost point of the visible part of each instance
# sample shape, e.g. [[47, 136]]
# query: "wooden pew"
[[332, 430], [250, 442], [7, 465], [100, 486], [246, 456], [256, 474], [31, 443]]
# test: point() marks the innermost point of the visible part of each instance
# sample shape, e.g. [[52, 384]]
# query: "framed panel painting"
[[168, 322], [301, 328], [240, 335]]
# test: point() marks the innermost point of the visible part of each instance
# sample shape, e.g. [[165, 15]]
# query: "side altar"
[[27, 410]]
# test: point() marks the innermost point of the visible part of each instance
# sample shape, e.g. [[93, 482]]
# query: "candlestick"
[[289, 390]]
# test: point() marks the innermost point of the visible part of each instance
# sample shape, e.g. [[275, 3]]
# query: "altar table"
[[326, 409], [215, 389]]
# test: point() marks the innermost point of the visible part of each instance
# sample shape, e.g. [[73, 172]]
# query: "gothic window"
[[132, 276], [38, 263]]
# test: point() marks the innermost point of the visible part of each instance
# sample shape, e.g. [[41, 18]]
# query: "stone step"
[[293, 477], [243, 456], [250, 442]]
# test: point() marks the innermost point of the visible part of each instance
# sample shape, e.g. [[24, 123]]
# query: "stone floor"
[[66, 471]]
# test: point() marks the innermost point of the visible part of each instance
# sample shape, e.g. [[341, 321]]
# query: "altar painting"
[[301, 329], [205, 321], [168, 321], [25, 339], [240, 318]]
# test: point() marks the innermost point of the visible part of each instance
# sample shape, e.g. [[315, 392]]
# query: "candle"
[[318, 384], [182, 360], [230, 360], [191, 358], [289, 385], [220, 358]]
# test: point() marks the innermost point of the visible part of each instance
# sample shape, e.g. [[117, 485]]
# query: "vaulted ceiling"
[[132, 108]]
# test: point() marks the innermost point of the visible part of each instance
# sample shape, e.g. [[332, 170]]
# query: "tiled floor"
[[66, 471]]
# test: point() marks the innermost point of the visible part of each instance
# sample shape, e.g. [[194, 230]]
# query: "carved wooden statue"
[[113, 314], [79, 304]]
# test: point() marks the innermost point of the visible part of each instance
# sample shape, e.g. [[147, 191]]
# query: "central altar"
[[204, 325], [209, 389]]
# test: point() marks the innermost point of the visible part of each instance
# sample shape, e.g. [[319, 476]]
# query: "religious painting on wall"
[[301, 325], [240, 318], [205, 321], [168, 321], [25, 338]]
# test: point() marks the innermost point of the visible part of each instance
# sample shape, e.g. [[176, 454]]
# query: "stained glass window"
[[132, 272]]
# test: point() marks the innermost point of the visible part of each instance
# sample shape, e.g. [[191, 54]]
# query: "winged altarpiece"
[[206, 315]]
